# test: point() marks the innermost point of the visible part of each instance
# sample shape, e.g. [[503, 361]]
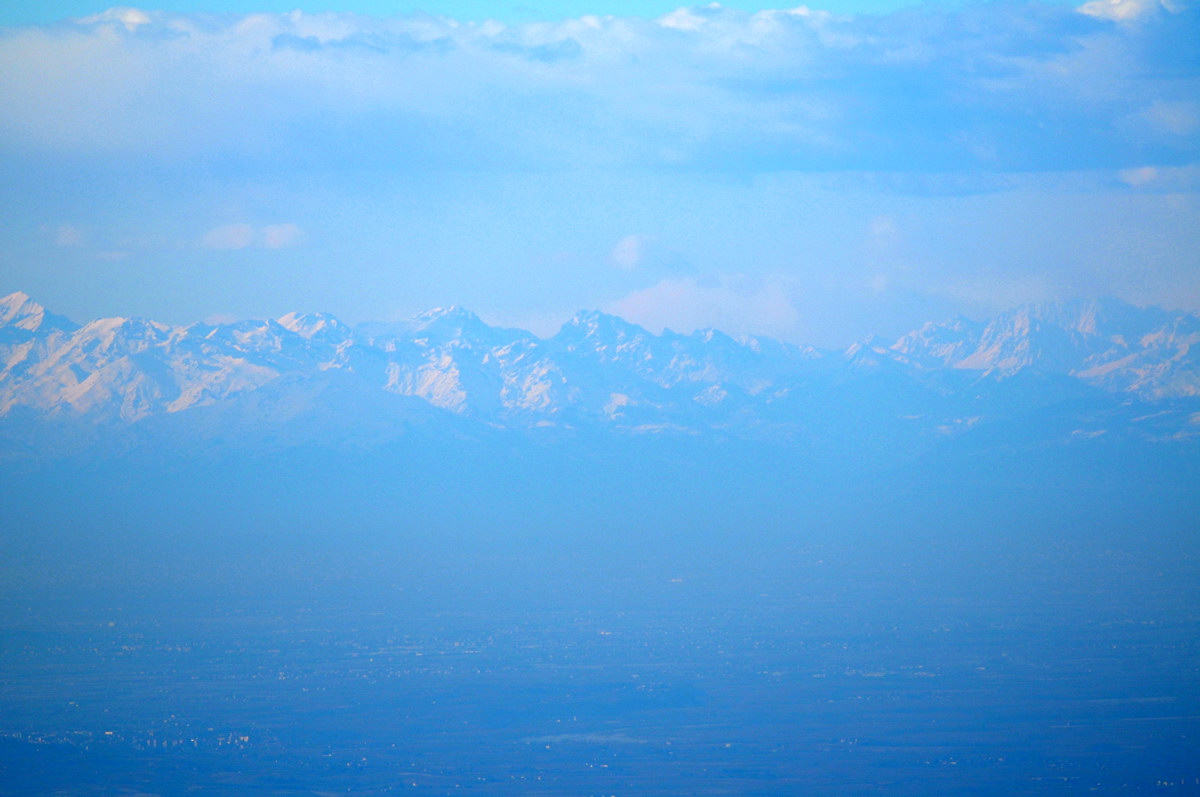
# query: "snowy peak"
[[439, 326], [592, 323], [455, 315], [940, 345], [18, 311], [1105, 342], [448, 323], [1086, 317], [594, 331], [1053, 336], [311, 325], [602, 371]]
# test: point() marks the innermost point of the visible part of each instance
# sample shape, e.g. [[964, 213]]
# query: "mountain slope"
[[1147, 352], [602, 373]]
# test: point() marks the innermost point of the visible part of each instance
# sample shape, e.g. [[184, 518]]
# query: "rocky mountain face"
[[1121, 369], [1144, 352]]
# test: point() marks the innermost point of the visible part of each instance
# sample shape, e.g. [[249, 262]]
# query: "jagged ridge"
[[601, 370]]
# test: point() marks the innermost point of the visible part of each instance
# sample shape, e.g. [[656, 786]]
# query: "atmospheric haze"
[[811, 403]]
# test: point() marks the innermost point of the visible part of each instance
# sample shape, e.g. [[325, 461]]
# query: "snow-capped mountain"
[[600, 371], [1147, 352]]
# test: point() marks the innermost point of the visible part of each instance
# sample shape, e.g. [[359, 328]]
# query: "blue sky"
[[817, 174], [30, 13]]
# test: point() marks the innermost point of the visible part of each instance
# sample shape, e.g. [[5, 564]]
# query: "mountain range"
[[1057, 370]]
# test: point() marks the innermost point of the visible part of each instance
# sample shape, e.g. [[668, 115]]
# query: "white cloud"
[[1162, 178], [1139, 177], [1179, 118], [649, 257], [130, 18], [244, 236], [883, 228], [685, 19], [898, 152], [68, 235], [1119, 10], [229, 236], [280, 236], [628, 252], [706, 86], [732, 303]]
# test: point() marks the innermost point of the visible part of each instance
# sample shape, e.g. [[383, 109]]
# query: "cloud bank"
[[999, 87], [789, 172]]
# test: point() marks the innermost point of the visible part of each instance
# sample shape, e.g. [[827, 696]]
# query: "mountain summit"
[[1148, 352], [603, 372]]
